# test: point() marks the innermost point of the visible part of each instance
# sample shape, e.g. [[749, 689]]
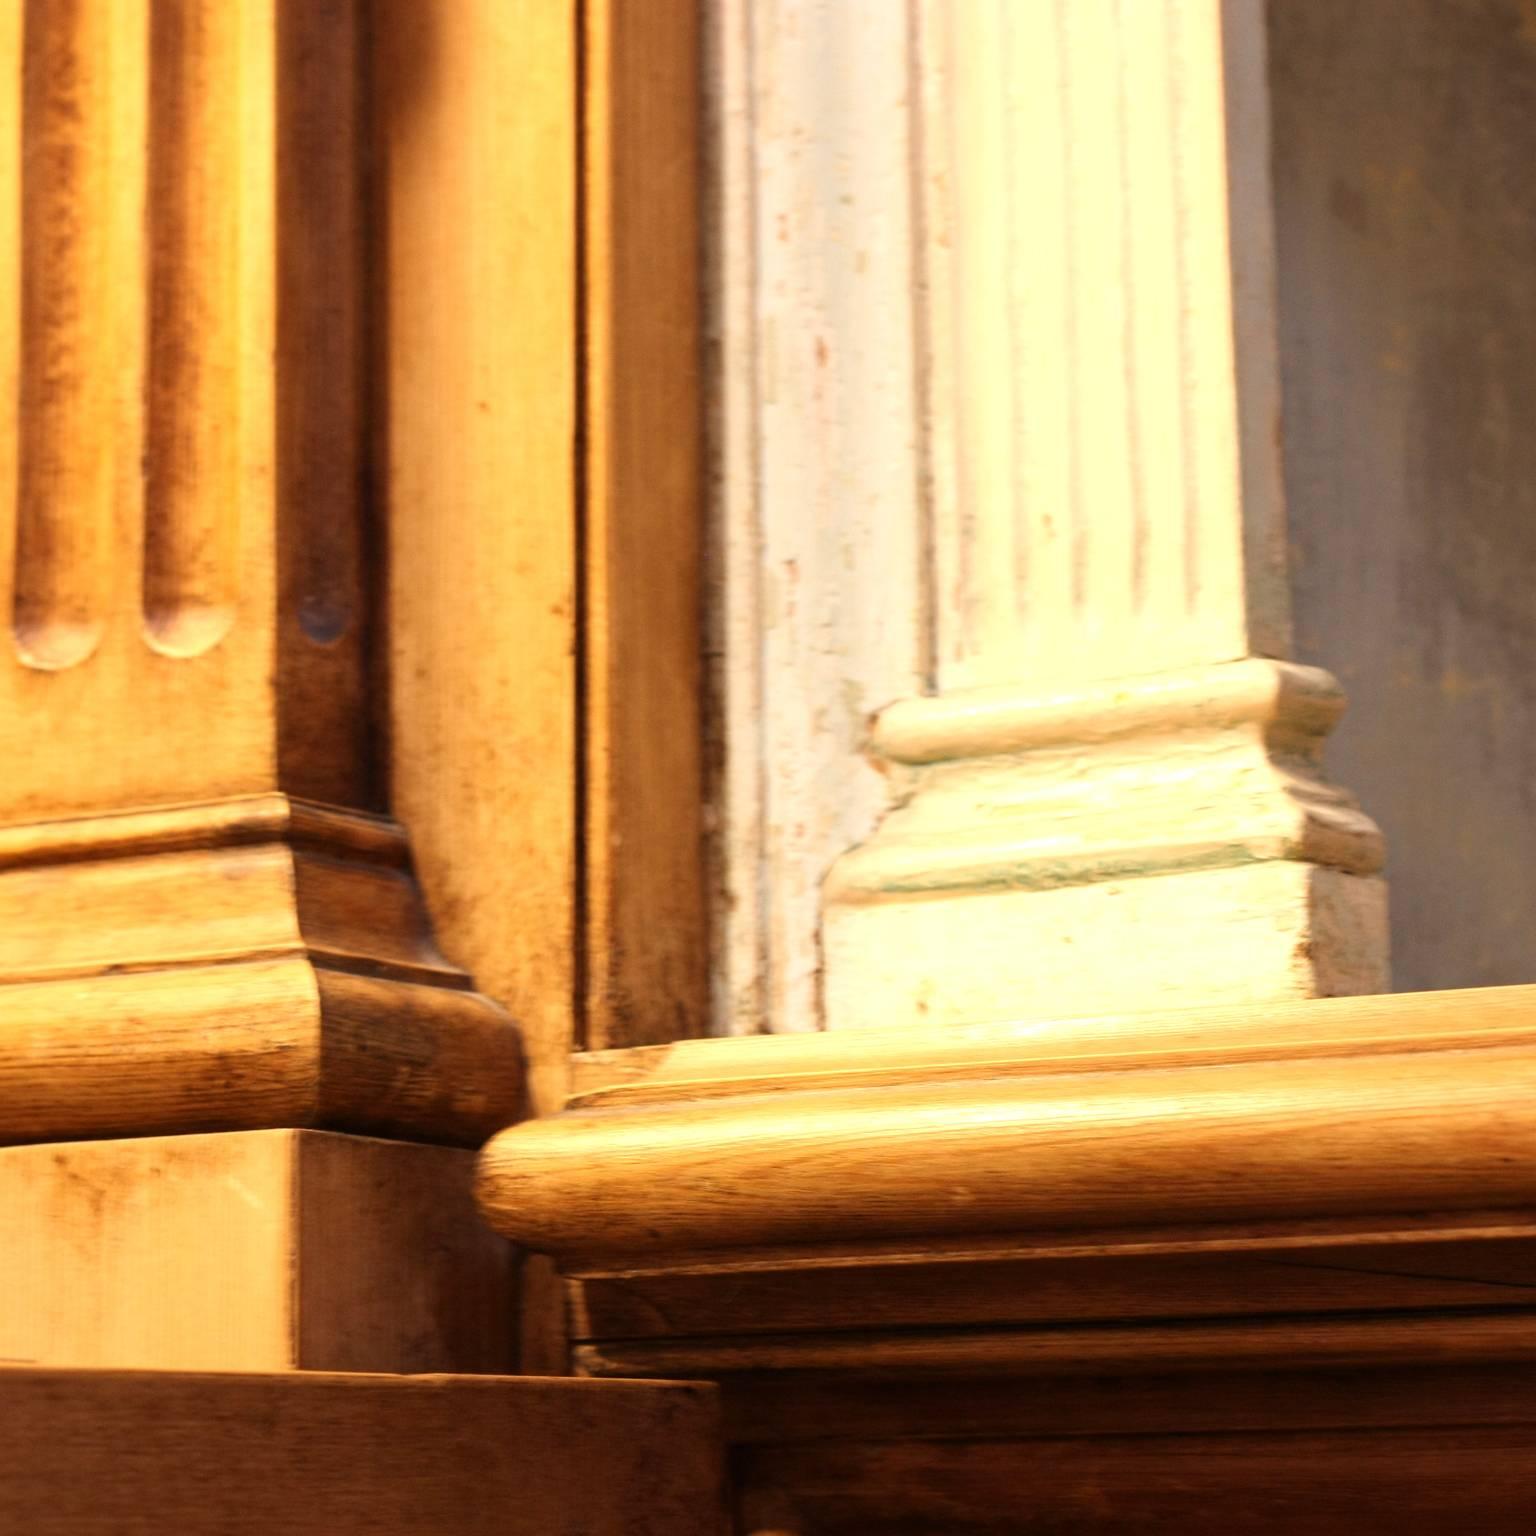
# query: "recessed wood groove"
[[82, 91], [193, 391]]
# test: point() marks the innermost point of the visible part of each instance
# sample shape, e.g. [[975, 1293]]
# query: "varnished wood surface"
[[264, 1250], [645, 972], [1129, 1349], [118, 1454], [182, 513], [697, 1069], [474, 341], [1256, 1268], [1428, 1482], [1228, 1271], [239, 964], [1406, 1106]]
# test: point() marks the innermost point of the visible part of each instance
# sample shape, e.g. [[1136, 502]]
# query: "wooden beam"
[[135, 1453], [1347, 1108], [475, 117], [645, 974], [258, 1251]]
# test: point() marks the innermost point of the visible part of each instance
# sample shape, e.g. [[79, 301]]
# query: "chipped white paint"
[[1130, 843], [1107, 806], [999, 418], [817, 616]]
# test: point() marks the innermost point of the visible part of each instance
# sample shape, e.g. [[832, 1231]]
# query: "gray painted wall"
[[1405, 171]]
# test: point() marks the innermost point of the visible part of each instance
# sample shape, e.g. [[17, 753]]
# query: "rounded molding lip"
[[1284, 1137], [1285, 697]]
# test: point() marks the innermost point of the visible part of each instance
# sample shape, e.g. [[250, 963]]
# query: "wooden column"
[[1111, 796], [207, 921]]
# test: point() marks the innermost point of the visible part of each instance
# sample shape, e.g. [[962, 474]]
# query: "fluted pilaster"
[[1115, 799], [196, 863]]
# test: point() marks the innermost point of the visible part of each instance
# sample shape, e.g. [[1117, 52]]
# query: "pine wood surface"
[[645, 972], [262, 1250], [1337, 1109]]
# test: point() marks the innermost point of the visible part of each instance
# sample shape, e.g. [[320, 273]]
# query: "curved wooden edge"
[[245, 964], [269, 1043], [1349, 1108]]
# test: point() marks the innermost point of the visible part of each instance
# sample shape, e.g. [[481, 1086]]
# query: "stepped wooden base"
[[259, 1250], [248, 963], [95, 1453], [1004, 1277]]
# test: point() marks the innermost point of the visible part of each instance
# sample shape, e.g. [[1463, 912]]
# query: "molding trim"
[[1053, 851], [248, 963], [915, 1254], [1331, 1109], [1007, 791]]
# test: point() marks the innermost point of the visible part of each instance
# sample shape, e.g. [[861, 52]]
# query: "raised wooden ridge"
[[230, 823], [1344, 1108]]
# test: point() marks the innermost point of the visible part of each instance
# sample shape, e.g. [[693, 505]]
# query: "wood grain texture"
[[1430, 1481], [263, 1250], [696, 1070], [645, 971], [249, 963], [1314, 1127], [1256, 1344], [83, 1453], [778, 1409], [474, 331]]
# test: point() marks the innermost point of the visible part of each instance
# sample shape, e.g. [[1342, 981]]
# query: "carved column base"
[[249, 963], [1130, 844]]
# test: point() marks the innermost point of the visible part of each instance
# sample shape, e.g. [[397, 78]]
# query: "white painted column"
[[1111, 799], [817, 618]]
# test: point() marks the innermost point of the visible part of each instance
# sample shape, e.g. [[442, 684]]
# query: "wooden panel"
[[474, 327], [266, 1250], [646, 972], [1134, 1347], [103, 1454], [1283, 1029], [1215, 1272], [1432, 1482], [772, 1408]]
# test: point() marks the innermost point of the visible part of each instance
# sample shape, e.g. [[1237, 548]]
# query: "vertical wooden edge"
[[644, 973], [475, 121]]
